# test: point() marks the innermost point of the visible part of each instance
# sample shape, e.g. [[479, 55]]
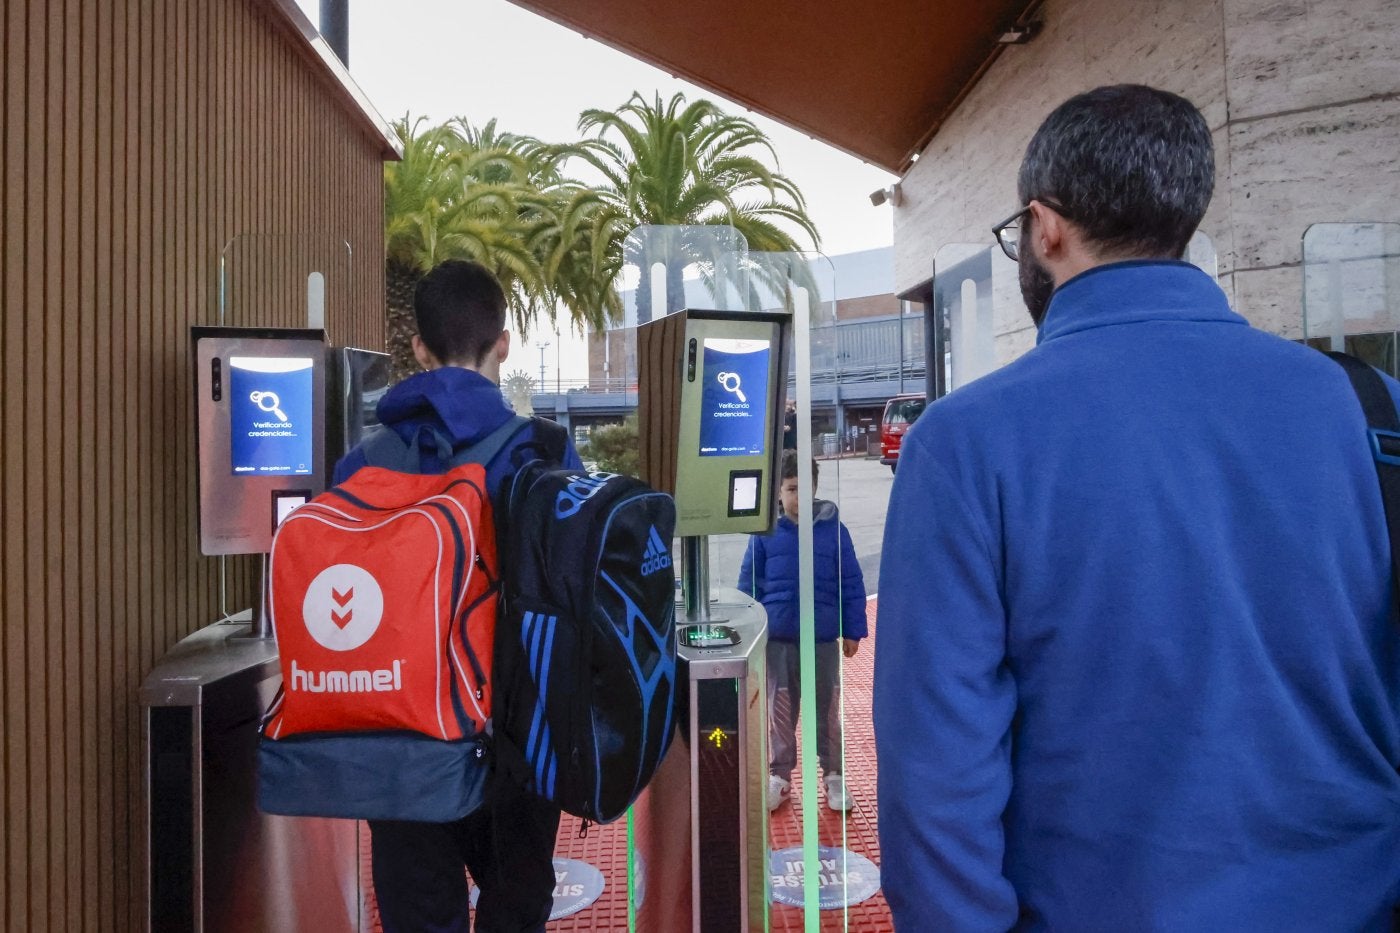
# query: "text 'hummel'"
[[380, 681]]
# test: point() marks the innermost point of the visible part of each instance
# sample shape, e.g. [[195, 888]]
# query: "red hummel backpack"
[[383, 598]]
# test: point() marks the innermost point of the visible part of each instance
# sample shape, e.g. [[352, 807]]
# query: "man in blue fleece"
[[1136, 668], [769, 574], [508, 843]]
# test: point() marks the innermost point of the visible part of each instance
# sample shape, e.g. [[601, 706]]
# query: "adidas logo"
[[657, 557], [581, 488]]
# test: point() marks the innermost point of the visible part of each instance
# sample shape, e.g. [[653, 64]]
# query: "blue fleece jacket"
[[769, 574], [1134, 668], [464, 405]]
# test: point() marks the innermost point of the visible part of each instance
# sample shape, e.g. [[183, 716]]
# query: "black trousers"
[[507, 845]]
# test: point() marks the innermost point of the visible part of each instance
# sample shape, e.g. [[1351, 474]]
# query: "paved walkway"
[[605, 847]]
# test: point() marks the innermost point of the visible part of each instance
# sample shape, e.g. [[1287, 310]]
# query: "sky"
[[488, 58]]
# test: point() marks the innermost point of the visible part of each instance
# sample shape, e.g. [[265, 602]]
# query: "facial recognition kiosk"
[[710, 433], [710, 403], [261, 396], [267, 438]]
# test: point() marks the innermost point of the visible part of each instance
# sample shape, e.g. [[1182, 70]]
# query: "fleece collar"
[[1135, 292]]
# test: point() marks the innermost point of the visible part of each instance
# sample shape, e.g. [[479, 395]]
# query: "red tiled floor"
[[855, 832], [605, 847]]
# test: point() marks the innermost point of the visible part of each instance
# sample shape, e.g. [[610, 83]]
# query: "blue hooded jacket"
[[769, 574], [1135, 668], [464, 405]]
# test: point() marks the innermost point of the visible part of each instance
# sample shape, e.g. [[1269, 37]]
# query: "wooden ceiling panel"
[[874, 79]]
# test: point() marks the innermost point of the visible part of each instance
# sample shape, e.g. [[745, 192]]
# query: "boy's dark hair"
[[788, 468], [461, 311], [1133, 166]]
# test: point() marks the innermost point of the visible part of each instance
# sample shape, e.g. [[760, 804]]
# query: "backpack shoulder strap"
[[383, 447], [1383, 428], [553, 439], [487, 449]]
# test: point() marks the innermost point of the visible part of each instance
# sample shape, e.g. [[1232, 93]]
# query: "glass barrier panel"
[[1351, 290], [276, 280], [284, 280], [1200, 252], [806, 838], [668, 270]]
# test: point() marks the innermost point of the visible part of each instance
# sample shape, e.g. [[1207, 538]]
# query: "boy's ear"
[[503, 346], [423, 355]]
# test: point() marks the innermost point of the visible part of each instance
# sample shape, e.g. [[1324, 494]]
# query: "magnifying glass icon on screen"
[[726, 378], [268, 402]]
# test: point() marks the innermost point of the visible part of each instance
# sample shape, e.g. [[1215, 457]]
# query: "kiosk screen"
[[733, 406], [270, 420]]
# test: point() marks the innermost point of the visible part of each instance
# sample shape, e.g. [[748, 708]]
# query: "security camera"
[[894, 194], [1020, 35]]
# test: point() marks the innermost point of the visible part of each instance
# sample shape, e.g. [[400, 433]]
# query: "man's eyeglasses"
[[1008, 232]]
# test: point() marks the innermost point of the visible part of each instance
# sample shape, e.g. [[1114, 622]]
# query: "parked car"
[[900, 412]]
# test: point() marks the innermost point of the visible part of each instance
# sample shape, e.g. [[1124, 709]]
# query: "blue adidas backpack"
[[585, 651]]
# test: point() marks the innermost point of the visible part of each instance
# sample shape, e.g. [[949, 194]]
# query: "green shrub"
[[614, 447]]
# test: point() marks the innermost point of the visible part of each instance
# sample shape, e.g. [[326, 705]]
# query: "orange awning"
[[873, 79]]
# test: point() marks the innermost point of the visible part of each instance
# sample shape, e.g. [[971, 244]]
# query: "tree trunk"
[[675, 284], [399, 324]]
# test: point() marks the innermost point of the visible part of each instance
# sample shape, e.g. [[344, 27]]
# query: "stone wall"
[[1303, 97]]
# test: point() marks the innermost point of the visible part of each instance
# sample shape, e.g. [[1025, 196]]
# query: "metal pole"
[[335, 28], [901, 346], [935, 377], [262, 619], [695, 578]]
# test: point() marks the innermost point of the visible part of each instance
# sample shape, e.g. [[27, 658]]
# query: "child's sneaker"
[[836, 796], [779, 791]]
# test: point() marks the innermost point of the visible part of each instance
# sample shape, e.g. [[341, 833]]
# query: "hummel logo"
[[327, 609], [657, 556], [343, 601]]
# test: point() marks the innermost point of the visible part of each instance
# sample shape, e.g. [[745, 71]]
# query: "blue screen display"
[[733, 401], [270, 402]]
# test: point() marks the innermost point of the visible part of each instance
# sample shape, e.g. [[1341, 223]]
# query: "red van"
[[900, 412]]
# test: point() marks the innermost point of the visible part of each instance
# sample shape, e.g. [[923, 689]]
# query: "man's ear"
[[503, 346], [1048, 232], [423, 355]]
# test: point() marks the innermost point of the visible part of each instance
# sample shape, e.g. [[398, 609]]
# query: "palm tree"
[[463, 192], [678, 165], [555, 215], [450, 199]]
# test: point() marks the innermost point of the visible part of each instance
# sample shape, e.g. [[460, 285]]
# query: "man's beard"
[[1036, 285]]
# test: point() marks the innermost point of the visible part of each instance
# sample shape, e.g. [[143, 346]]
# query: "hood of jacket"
[[823, 510], [467, 404]]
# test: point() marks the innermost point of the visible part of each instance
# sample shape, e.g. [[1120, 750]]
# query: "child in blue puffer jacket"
[[769, 574]]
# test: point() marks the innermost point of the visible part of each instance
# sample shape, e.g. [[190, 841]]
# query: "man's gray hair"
[[1132, 166]]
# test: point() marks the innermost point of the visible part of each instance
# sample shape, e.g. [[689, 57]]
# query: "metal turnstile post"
[[214, 861], [702, 826]]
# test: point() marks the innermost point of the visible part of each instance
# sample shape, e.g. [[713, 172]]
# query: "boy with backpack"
[[507, 844], [770, 574]]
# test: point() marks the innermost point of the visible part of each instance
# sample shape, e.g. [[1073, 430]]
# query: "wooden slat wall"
[[140, 137]]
